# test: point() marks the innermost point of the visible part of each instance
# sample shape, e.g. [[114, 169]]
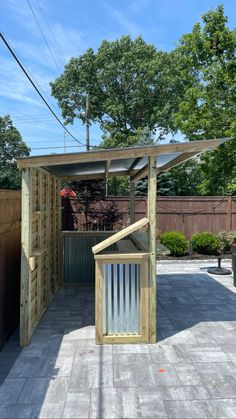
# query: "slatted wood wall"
[[41, 225], [10, 214]]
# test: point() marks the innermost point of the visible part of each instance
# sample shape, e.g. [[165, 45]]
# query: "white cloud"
[[71, 41], [123, 19]]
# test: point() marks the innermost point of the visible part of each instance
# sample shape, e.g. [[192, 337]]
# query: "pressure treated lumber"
[[122, 153], [152, 186], [120, 235], [132, 203], [25, 255]]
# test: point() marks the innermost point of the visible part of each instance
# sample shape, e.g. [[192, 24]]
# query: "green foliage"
[[175, 241], [226, 240], [206, 243], [130, 88], [208, 109], [137, 94], [11, 146], [118, 186]]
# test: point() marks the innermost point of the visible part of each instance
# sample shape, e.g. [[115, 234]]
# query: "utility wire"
[[50, 29], [35, 87], [44, 37]]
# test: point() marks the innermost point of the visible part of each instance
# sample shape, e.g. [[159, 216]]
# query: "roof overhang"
[[118, 162]]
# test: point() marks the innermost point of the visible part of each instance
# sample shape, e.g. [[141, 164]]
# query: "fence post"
[[229, 213]]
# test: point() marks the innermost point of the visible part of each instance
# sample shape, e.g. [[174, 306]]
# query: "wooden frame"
[[41, 225], [122, 153], [40, 277], [143, 337]]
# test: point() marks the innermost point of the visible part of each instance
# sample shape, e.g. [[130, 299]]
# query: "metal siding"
[[78, 260], [121, 298]]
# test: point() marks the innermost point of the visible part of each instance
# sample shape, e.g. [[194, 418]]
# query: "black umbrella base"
[[219, 271]]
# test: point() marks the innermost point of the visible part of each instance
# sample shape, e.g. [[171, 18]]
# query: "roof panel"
[[93, 163]]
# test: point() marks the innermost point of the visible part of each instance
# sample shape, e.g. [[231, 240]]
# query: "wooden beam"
[[120, 235], [140, 174], [25, 255], [132, 203], [117, 154], [107, 167], [174, 162], [178, 160], [135, 162], [152, 190], [92, 176]]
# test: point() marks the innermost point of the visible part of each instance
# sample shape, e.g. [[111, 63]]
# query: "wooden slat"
[[178, 160], [25, 253], [152, 188], [117, 257], [132, 203], [98, 300], [120, 235], [140, 174]]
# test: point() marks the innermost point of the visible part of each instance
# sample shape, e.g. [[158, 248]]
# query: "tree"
[[208, 108], [11, 146], [129, 85]]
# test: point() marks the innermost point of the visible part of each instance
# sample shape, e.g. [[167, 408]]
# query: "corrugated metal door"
[[121, 298]]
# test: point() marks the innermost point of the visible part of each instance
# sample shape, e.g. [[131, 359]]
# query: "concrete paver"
[[189, 373]]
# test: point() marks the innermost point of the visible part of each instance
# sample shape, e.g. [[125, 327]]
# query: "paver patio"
[[189, 373]]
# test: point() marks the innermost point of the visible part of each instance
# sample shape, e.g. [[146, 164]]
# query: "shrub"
[[175, 241], [206, 243], [226, 240]]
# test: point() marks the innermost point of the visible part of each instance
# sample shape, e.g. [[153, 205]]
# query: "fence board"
[[187, 214], [10, 245]]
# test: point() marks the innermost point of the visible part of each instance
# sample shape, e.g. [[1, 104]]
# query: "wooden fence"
[[10, 248], [187, 214]]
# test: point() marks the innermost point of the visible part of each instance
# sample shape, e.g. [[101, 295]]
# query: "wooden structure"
[[10, 212], [41, 235]]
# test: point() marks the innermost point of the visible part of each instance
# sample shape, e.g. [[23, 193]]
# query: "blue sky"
[[78, 25]]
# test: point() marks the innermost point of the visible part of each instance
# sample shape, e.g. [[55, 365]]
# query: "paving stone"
[[187, 409], [44, 390], [114, 403], [91, 375], [132, 348], [208, 356], [188, 374], [151, 403], [168, 353], [184, 393], [77, 404], [48, 411], [10, 390], [87, 332], [19, 411], [92, 353], [222, 408]]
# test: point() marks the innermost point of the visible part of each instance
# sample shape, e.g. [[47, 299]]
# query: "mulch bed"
[[194, 256]]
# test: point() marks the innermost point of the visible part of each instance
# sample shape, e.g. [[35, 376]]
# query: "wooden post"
[[132, 202], [25, 254], [229, 213], [152, 185]]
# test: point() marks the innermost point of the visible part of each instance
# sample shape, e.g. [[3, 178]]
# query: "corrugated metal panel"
[[121, 298], [78, 260]]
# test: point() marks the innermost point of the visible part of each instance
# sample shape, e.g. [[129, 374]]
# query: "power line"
[[44, 37], [50, 29], [35, 87], [67, 146]]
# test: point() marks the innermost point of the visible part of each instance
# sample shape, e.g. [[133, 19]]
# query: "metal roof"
[[126, 161]]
